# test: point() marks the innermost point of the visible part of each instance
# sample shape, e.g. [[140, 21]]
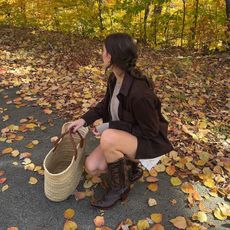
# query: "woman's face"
[[106, 57]]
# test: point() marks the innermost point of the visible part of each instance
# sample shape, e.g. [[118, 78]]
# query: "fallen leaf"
[[175, 181], [88, 184], [69, 213], [142, 225], [170, 170], [99, 221], [153, 172], [70, 225], [219, 215], [160, 168], [47, 111], [5, 187], [173, 201], [179, 222], [153, 187], [53, 139], [12, 228], [200, 216], [35, 142], [7, 150], [151, 179], [152, 202], [30, 145], [15, 153], [157, 227], [187, 187], [33, 180], [156, 217], [2, 180]]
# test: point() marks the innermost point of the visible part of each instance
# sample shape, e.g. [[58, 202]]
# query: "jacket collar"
[[126, 83]]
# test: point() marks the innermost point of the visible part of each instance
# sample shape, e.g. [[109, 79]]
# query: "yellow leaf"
[[15, 153], [2, 139], [30, 166], [70, 225], [160, 168], [156, 217], [224, 208], [99, 221], [69, 213], [210, 183], [88, 184], [142, 225], [219, 215], [33, 180], [37, 168], [200, 216], [157, 227], [153, 172], [175, 181], [5, 117], [35, 142], [12, 228], [179, 222], [5, 187], [31, 125], [187, 187], [153, 187]]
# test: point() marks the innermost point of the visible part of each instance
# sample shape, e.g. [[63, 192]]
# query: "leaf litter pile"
[[64, 75]]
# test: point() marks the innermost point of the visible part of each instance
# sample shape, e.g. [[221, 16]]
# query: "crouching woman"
[[133, 127]]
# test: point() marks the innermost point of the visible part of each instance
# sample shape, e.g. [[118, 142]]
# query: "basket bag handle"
[[72, 140]]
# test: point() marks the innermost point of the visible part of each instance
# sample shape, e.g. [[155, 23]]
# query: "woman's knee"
[[90, 166], [107, 139]]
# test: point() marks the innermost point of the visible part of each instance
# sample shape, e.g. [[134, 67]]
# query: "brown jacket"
[[140, 114]]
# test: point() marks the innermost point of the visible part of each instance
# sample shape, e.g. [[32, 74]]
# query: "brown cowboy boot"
[[135, 172], [120, 185]]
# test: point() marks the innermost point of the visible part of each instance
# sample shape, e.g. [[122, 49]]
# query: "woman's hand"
[[95, 132], [75, 125]]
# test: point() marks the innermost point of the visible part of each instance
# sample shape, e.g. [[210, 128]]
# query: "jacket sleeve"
[[146, 115], [96, 112]]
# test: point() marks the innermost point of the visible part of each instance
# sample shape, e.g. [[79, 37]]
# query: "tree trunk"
[[22, 8], [193, 28], [100, 15], [227, 32], [145, 20], [157, 12], [183, 23]]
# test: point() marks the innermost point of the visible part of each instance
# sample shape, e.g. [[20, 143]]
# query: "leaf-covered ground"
[[64, 76]]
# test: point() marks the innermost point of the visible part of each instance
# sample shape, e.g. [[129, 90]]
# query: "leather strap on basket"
[[72, 140]]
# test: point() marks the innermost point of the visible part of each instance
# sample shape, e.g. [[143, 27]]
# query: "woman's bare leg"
[[117, 143], [95, 163]]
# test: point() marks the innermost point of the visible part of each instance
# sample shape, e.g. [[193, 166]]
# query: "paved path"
[[24, 205]]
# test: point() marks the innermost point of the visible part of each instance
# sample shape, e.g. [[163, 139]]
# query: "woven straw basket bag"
[[63, 165]]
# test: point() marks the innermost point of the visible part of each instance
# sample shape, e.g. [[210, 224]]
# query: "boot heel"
[[125, 195]]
